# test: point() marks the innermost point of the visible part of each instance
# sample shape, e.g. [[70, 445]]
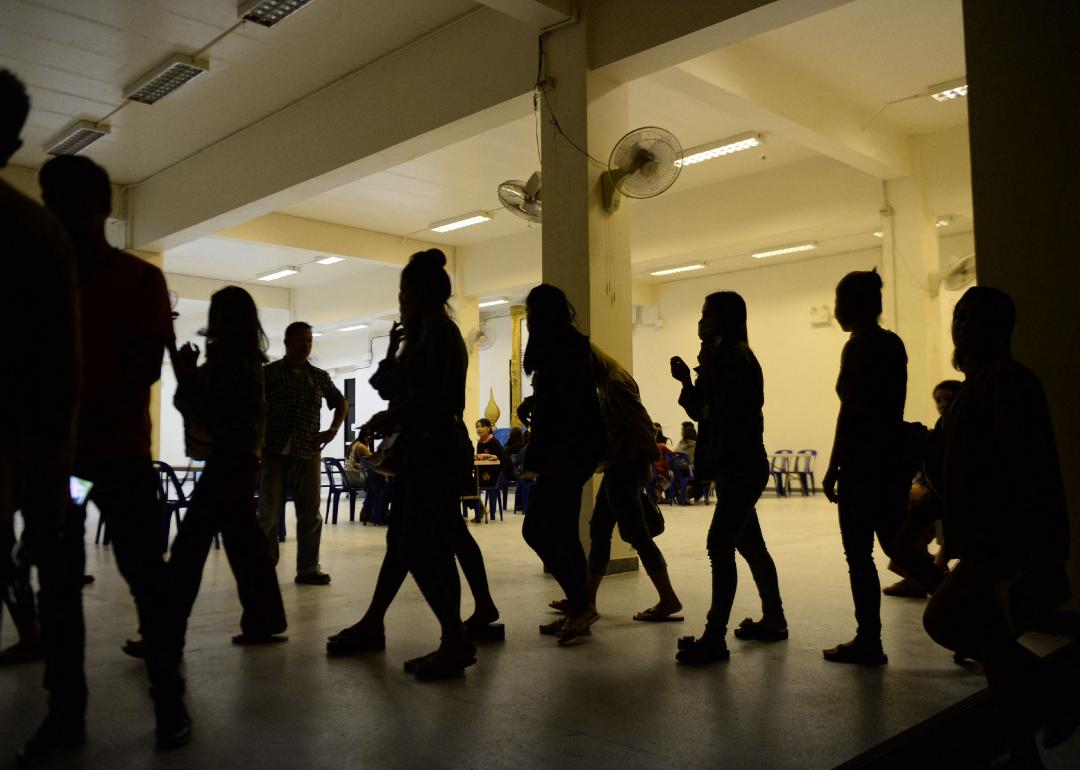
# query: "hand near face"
[[185, 361], [680, 371], [397, 333]]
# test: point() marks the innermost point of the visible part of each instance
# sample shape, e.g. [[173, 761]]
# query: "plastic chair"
[[491, 489], [804, 468], [171, 497], [502, 435], [521, 488], [339, 485], [778, 470], [681, 476], [377, 493], [650, 485]]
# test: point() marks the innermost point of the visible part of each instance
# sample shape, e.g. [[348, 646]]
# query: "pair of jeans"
[[735, 527], [223, 502], [300, 476], [618, 501], [426, 522], [873, 500], [126, 492], [551, 528]]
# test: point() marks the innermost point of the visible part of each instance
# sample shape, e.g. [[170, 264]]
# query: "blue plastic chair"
[[804, 468], [339, 485], [376, 496], [502, 435], [493, 492], [521, 488], [682, 474]]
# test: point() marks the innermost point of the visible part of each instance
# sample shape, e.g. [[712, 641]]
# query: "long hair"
[[233, 330], [729, 310], [550, 315]]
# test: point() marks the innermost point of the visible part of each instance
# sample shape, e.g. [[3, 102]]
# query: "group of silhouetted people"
[[102, 319]]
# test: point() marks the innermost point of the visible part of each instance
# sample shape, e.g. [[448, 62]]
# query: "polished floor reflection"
[[614, 700]]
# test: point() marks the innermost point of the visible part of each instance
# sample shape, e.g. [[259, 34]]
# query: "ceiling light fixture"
[[75, 138], [329, 260], [352, 328], [269, 12], [681, 269], [728, 146], [493, 302], [879, 234], [316, 334], [165, 78], [943, 221], [281, 273], [784, 250], [949, 90], [456, 223]]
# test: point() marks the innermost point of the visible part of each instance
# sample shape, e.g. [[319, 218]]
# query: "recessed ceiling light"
[[681, 269], [283, 272], [784, 250], [269, 12], [352, 328], [727, 146], [493, 302], [456, 223], [75, 138], [165, 78], [949, 90], [330, 260], [879, 234]]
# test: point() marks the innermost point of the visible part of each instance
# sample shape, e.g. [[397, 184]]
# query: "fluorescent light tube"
[[283, 272], [727, 146], [784, 250], [456, 223], [943, 221], [879, 233], [682, 269], [329, 260], [165, 78], [949, 90], [269, 12], [352, 328], [75, 138], [493, 303], [316, 334]]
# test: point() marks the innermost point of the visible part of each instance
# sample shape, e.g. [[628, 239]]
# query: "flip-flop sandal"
[[349, 644], [486, 632], [697, 652], [571, 631], [552, 628], [651, 616], [753, 630], [560, 605], [247, 640], [412, 663], [434, 667]]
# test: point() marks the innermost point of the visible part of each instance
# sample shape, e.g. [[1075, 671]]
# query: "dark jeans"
[[618, 501], [426, 518], [126, 493], [223, 502], [734, 527], [873, 500], [551, 528], [15, 586]]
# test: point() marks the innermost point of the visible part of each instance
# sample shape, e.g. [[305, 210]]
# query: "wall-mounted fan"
[[958, 276], [480, 337], [641, 165], [522, 198]]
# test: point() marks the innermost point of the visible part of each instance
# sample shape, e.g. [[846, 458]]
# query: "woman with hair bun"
[[867, 461], [423, 378]]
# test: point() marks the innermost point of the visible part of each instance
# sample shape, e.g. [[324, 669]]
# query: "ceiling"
[[76, 57]]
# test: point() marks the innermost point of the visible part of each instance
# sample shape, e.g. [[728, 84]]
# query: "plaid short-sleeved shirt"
[[294, 406]]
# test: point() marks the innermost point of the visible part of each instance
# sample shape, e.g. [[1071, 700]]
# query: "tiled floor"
[[615, 700]]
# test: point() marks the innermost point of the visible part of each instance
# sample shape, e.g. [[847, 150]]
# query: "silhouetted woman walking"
[[726, 401], [224, 411], [565, 404], [868, 461]]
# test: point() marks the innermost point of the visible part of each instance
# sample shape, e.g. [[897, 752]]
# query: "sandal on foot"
[[758, 631], [857, 653], [412, 663], [552, 628], [445, 662], [560, 605], [697, 652], [486, 632], [652, 615], [575, 626], [344, 643], [251, 640], [134, 648]]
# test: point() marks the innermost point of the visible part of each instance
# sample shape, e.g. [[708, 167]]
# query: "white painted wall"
[[495, 370]]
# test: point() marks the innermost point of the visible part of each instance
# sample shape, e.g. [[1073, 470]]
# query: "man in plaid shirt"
[[291, 456]]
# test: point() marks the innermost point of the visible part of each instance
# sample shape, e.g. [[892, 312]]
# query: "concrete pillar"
[[158, 261], [1022, 72], [586, 250], [910, 255]]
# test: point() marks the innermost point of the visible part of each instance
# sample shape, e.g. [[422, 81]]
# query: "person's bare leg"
[[669, 603]]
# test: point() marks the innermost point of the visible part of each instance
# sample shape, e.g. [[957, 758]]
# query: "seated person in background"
[[688, 441], [487, 446], [355, 472], [924, 506], [663, 470], [514, 446]]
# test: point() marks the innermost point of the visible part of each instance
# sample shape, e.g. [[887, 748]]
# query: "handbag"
[[389, 458], [654, 520]]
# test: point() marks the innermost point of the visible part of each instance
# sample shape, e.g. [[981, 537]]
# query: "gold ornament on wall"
[[491, 411]]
